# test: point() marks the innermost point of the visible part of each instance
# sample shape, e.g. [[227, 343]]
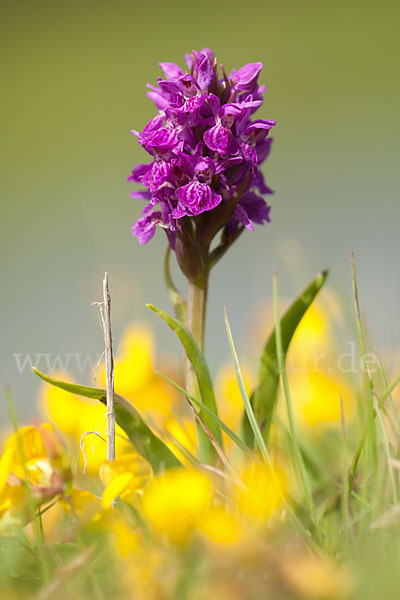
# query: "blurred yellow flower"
[[316, 398], [60, 407], [83, 506], [37, 454], [185, 434], [126, 541], [34, 455], [263, 491], [135, 378], [220, 526], [313, 334], [124, 478], [176, 502]]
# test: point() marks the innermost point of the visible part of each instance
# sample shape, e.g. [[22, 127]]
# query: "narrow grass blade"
[[386, 385], [247, 405], [282, 371], [221, 455], [389, 390], [265, 396], [143, 439], [203, 379], [367, 381], [387, 451], [345, 484], [234, 437]]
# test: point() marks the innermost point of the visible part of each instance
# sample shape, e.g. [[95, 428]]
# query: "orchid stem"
[[195, 322]]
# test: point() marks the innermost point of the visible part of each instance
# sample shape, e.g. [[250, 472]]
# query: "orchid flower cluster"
[[206, 151]]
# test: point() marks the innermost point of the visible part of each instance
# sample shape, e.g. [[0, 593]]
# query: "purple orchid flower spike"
[[206, 149], [203, 179]]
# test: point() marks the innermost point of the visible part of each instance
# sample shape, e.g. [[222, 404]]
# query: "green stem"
[[195, 323], [196, 310]]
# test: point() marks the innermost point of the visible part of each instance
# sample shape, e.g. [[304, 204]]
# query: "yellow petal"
[[116, 488], [263, 490], [220, 527], [176, 501]]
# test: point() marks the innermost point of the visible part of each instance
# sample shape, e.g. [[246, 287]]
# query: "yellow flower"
[[124, 478], [313, 333], [135, 378], [37, 454], [60, 407], [83, 506], [133, 366], [220, 527], [263, 491], [126, 540], [185, 434], [34, 455], [316, 398], [176, 502]]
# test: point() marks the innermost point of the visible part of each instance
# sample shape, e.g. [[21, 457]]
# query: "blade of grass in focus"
[[247, 405], [294, 437]]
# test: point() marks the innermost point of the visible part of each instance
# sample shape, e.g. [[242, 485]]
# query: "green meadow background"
[[73, 85]]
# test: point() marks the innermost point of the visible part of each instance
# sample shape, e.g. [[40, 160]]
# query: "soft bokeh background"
[[73, 85]]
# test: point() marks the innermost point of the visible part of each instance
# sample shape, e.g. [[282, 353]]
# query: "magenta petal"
[[241, 215], [178, 212], [138, 172], [205, 73], [255, 207], [221, 140], [246, 78], [162, 140], [158, 99], [197, 197], [171, 70], [140, 195], [214, 102], [145, 227]]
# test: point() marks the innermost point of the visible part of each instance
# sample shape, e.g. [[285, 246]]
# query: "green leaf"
[[207, 452], [266, 394], [143, 439]]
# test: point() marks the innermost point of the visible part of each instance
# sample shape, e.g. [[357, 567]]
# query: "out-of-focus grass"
[[314, 515]]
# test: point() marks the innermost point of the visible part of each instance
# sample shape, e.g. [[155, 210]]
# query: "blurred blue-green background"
[[73, 85]]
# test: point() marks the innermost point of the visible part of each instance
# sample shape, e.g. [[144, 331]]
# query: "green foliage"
[[196, 358], [265, 396]]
